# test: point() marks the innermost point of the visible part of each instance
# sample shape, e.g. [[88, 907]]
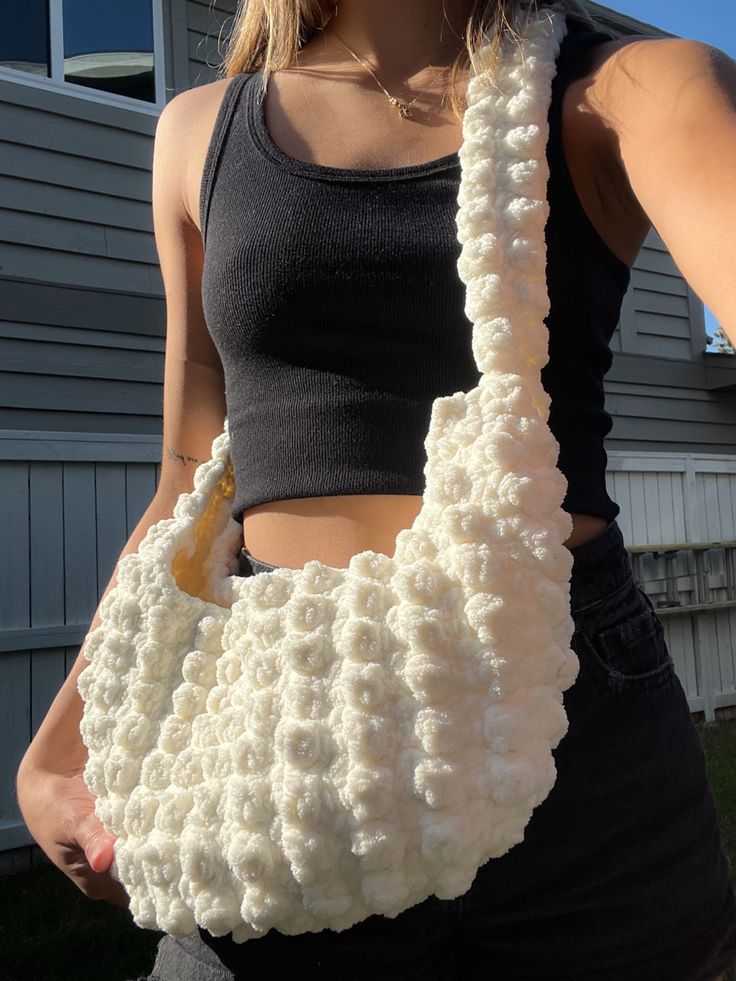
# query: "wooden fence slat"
[[71, 654], [650, 483], [41, 638], [665, 497], [46, 544], [15, 727], [48, 672], [723, 623], [111, 520], [78, 447], [80, 542], [14, 571], [637, 496], [726, 493], [141, 483]]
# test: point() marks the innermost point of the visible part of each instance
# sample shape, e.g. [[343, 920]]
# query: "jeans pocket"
[[624, 641]]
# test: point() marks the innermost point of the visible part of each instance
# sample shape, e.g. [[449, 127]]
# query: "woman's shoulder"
[[614, 67], [592, 110], [198, 105], [628, 89], [616, 74], [190, 119]]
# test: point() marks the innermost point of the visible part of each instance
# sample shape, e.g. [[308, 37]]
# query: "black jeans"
[[621, 875]]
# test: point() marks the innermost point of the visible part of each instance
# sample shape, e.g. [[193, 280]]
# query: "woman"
[[341, 213]]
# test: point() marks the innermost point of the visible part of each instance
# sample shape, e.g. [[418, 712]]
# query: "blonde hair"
[[268, 34]]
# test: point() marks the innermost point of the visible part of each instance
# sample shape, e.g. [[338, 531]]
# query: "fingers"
[[100, 853], [59, 812], [70, 858], [97, 844]]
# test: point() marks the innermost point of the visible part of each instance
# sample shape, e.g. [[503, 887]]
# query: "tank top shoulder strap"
[[579, 38], [228, 105], [570, 66]]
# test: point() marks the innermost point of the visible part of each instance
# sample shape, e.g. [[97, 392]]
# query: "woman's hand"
[[54, 800], [59, 812]]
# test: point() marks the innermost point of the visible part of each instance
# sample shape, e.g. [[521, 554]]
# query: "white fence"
[[70, 504], [686, 499]]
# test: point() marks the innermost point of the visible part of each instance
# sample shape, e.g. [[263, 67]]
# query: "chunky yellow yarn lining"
[[303, 748]]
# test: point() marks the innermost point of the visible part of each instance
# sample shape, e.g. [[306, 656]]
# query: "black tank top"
[[334, 301]]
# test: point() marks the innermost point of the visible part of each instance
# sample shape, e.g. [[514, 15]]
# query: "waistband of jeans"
[[601, 565], [250, 566]]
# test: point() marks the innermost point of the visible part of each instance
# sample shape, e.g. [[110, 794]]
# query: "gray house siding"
[[207, 28], [662, 391], [82, 333], [76, 358], [82, 318]]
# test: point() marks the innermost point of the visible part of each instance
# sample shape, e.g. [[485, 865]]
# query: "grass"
[[50, 931], [719, 742]]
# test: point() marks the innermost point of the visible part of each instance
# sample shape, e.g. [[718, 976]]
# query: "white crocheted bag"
[[303, 748]]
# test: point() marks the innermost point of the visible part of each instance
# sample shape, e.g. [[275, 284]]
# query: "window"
[[24, 42], [106, 47]]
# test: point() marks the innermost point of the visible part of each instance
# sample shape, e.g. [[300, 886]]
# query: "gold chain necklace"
[[403, 107]]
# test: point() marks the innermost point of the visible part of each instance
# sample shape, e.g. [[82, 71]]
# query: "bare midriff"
[[307, 116], [332, 529]]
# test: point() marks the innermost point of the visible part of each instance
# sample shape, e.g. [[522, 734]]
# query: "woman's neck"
[[399, 40]]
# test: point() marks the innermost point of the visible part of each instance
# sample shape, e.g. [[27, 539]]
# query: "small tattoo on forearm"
[[172, 454]]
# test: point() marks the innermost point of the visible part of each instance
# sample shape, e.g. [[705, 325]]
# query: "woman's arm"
[[669, 106], [193, 394], [52, 796]]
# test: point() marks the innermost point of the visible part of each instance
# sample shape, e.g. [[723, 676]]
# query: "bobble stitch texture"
[[303, 748]]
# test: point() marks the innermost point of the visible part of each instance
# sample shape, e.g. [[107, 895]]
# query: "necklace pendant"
[[403, 107]]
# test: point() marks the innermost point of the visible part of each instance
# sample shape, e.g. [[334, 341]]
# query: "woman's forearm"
[[57, 745]]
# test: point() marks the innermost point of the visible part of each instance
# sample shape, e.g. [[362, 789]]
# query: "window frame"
[[56, 82]]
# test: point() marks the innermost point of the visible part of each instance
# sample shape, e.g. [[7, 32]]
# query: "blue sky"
[[713, 21]]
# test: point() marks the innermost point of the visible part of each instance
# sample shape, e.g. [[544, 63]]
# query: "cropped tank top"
[[333, 298]]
